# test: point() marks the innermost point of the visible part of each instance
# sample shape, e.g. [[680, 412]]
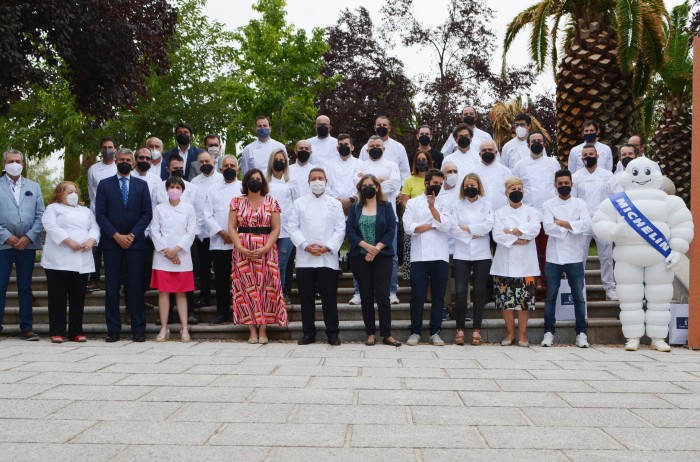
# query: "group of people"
[[514, 221]]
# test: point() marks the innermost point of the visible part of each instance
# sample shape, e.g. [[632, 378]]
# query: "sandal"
[[56, 339], [459, 338], [476, 338]]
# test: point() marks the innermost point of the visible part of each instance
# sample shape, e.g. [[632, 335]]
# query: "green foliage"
[[40, 172]]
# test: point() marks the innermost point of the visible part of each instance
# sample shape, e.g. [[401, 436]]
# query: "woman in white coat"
[[71, 233], [173, 230], [515, 265]]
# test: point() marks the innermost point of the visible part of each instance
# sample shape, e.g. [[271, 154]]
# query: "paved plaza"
[[217, 401]]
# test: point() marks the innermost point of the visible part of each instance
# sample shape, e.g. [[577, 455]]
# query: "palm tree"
[[668, 103], [611, 49]]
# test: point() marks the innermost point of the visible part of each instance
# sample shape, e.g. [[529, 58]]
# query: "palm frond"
[[628, 16], [539, 39], [514, 28]]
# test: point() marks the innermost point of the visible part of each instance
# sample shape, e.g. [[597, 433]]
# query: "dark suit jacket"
[[384, 230], [192, 154], [113, 217]]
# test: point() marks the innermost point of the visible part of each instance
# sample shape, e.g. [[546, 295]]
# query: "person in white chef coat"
[[71, 234], [567, 223], [216, 210], [299, 170], [463, 156], [317, 228], [323, 144], [340, 170], [492, 174], [472, 221], [517, 149], [257, 153], [514, 267], [173, 229]]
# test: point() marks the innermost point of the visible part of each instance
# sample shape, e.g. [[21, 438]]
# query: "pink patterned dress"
[[256, 285]]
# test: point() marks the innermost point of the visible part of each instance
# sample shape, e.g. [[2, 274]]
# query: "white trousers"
[[605, 249]]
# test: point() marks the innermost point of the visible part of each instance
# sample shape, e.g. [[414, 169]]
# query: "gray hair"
[[447, 164], [126, 151], [228, 156], [7, 153], [375, 137]]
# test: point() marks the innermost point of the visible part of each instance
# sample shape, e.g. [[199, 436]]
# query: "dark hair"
[[317, 169], [246, 179], [173, 157], [588, 122], [536, 132], [415, 159], [174, 180], [107, 138], [380, 194], [426, 126], [525, 117], [345, 136], [461, 127], [627, 145], [561, 173], [262, 117], [433, 173], [211, 136], [184, 125]]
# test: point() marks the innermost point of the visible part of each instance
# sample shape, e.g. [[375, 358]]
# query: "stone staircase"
[[603, 326]]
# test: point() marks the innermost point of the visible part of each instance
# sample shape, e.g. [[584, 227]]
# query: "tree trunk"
[[671, 146]]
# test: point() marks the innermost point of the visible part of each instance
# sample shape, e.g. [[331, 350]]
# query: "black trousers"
[[64, 285], [222, 280], [326, 280], [128, 264], [97, 256], [462, 270], [204, 266], [290, 273], [374, 279]]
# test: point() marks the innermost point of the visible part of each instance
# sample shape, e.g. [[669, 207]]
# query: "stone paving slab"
[[42, 452]]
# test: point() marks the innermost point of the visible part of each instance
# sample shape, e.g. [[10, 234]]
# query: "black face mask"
[[143, 166], [178, 172], [255, 186], [590, 161], [123, 167], [564, 191], [515, 196], [344, 150], [182, 139], [322, 131], [303, 156], [488, 157], [421, 166], [433, 190], [376, 153], [368, 192], [471, 192], [464, 142], [424, 140], [536, 148], [230, 174], [626, 161], [382, 131], [206, 168], [469, 120], [278, 165]]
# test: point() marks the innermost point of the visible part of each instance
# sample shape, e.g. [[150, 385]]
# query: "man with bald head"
[[470, 118], [323, 144], [155, 145], [299, 171]]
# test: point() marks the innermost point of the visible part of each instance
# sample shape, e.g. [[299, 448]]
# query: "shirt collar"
[[14, 183]]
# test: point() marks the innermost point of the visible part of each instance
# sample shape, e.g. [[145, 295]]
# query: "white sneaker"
[[582, 340], [548, 339], [436, 340], [611, 294], [413, 340], [355, 300], [393, 299], [632, 344], [659, 344]]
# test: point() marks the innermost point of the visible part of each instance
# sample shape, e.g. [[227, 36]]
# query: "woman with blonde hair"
[[71, 233]]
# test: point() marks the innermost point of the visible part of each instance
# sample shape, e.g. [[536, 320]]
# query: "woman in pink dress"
[[254, 225]]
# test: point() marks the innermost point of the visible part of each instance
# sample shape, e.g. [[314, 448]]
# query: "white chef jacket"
[[431, 245], [478, 137], [394, 152], [216, 211], [317, 220], [516, 260], [382, 168], [203, 183], [494, 177], [478, 215], [514, 151], [61, 222], [323, 149], [285, 193], [605, 158], [538, 178], [451, 196], [257, 155], [152, 180], [96, 173], [341, 178], [465, 161], [593, 188], [189, 195], [300, 174], [173, 226], [566, 246]]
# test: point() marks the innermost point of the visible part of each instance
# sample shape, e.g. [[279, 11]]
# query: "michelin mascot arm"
[[680, 221]]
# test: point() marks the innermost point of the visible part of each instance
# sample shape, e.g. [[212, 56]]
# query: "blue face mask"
[[263, 132]]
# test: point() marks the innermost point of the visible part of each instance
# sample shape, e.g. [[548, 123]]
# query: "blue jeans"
[[575, 272], [394, 285], [424, 273], [24, 262], [284, 251]]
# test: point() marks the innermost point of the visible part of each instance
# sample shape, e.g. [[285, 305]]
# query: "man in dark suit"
[[186, 150], [123, 212]]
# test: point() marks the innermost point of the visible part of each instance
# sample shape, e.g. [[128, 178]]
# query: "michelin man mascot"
[[651, 230]]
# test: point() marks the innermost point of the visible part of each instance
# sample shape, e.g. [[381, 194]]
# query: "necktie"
[[125, 192]]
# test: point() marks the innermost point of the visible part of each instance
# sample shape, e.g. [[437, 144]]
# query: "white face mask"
[[214, 151], [521, 132], [13, 169], [451, 179], [72, 199], [317, 186], [155, 154]]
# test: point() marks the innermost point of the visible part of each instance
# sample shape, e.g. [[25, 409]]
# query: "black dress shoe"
[[219, 319], [306, 339], [111, 338], [201, 303], [333, 340], [192, 320], [139, 337], [395, 343]]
